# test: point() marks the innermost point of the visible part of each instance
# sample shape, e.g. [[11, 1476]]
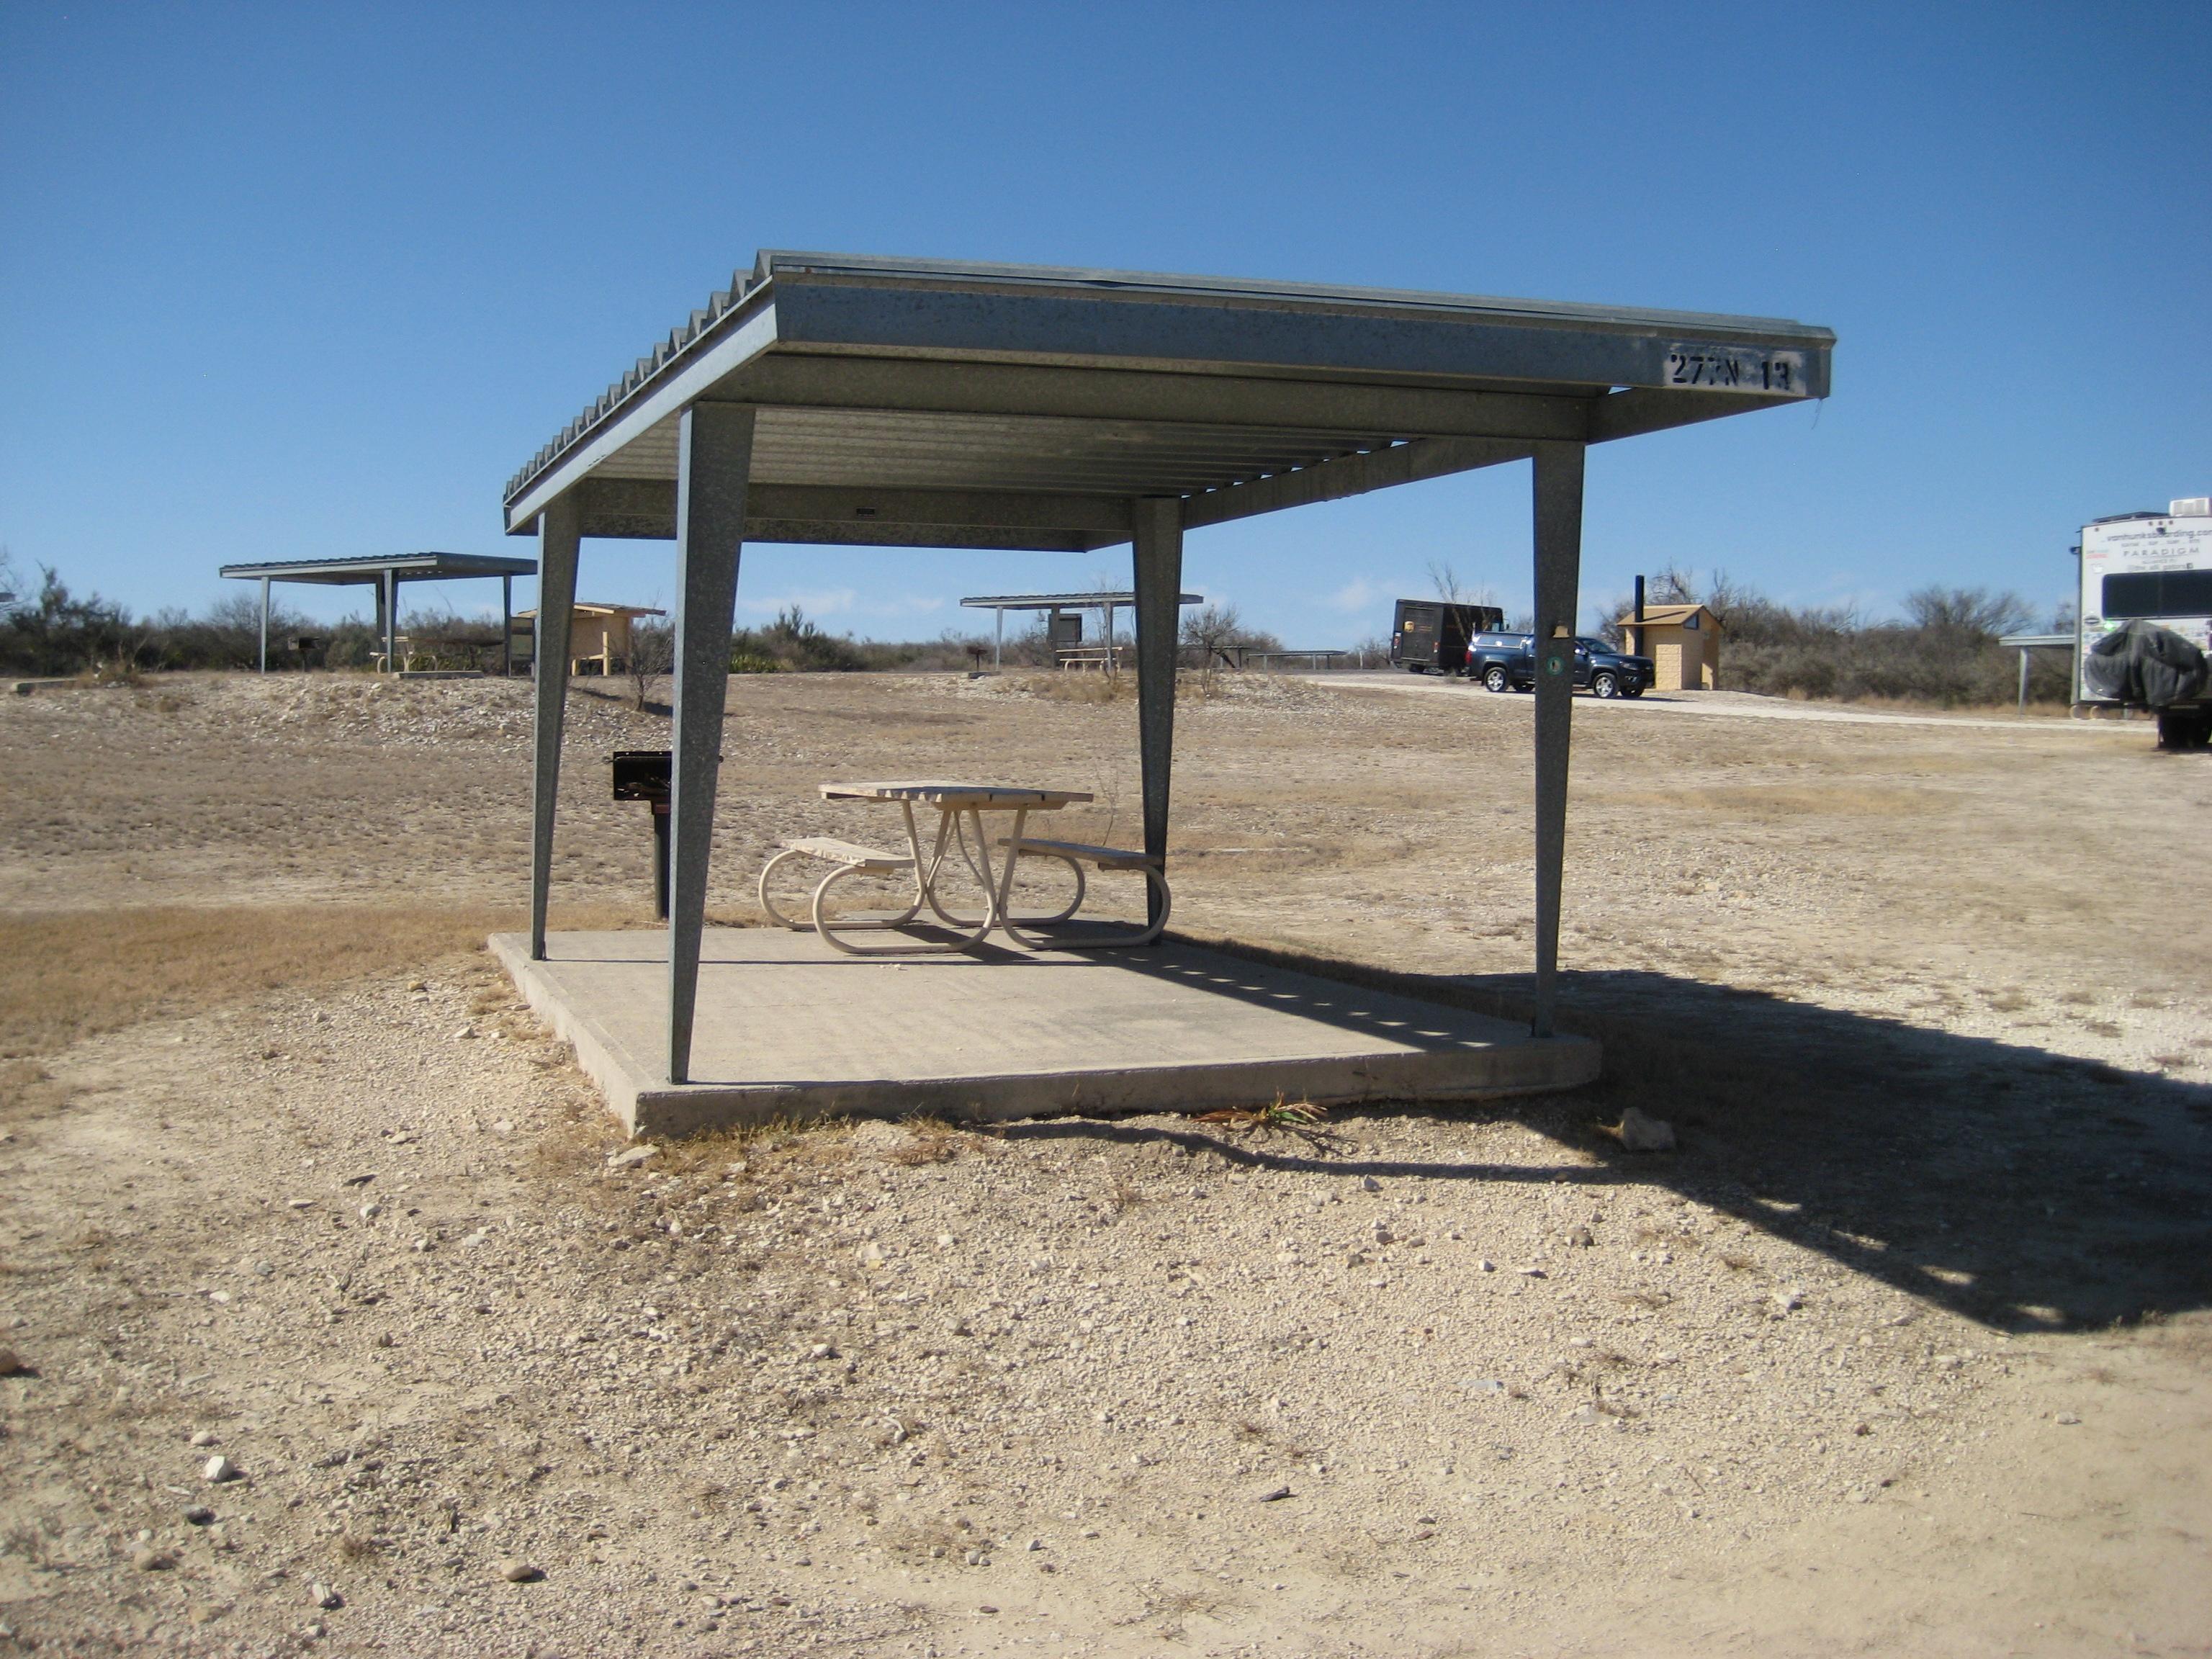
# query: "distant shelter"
[[383, 573]]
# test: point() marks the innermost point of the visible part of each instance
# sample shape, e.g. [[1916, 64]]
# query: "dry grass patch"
[[68, 975], [73, 974]]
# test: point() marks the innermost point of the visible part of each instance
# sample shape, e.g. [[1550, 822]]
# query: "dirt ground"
[[1906, 1349]]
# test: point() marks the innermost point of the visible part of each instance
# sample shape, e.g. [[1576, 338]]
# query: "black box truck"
[[1428, 637]]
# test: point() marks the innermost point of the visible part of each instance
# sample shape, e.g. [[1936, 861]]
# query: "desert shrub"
[[1212, 635], [794, 641], [1944, 650], [54, 632], [439, 637]]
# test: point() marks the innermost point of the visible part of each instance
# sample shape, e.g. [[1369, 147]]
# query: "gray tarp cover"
[[2146, 664]]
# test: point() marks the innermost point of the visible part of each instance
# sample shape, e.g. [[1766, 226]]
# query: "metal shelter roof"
[[415, 567], [1062, 601], [920, 403]]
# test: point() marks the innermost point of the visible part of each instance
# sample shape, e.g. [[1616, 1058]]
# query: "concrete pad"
[[788, 1028]]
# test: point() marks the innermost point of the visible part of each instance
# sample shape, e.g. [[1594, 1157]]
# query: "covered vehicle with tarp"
[[2146, 612]]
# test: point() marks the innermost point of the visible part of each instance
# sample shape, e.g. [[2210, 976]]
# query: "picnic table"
[[960, 807]]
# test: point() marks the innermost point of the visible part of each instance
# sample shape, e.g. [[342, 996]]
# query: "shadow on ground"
[[2021, 1188]]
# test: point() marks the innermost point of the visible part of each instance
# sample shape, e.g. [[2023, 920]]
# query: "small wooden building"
[[1682, 640], [598, 635]]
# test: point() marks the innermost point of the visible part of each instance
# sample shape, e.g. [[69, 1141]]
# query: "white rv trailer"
[[2150, 566]]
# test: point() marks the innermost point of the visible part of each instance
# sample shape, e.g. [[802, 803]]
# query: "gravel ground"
[[1904, 1349]]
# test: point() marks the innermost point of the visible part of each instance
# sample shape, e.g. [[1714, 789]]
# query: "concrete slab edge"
[[1531, 1067]]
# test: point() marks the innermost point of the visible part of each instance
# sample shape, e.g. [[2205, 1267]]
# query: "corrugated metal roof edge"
[[862, 265], [492, 564], [745, 288]]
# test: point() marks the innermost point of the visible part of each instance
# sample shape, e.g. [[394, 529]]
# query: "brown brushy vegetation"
[[1944, 650]]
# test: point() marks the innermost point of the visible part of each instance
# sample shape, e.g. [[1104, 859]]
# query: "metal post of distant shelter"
[[506, 626], [391, 590], [265, 625], [999, 639]]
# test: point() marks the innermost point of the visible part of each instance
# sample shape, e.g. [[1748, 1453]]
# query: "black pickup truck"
[[1507, 662]]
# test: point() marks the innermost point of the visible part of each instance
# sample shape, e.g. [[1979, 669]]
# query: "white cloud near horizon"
[[1355, 595]]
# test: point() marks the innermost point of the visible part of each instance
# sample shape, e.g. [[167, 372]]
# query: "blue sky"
[[310, 281]]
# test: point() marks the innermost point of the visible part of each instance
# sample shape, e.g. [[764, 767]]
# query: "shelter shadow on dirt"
[[2021, 1188]]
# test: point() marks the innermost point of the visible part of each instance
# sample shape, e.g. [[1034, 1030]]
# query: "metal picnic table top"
[[950, 796]]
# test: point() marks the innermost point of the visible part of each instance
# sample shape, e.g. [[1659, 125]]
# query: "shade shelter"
[[385, 574], [1104, 603], [886, 402], [2028, 644]]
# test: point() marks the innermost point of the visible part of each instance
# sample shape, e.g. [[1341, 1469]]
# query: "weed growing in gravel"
[[932, 1140], [1300, 1118]]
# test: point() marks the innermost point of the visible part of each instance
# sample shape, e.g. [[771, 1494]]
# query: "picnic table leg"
[[913, 849], [927, 878], [1001, 891]]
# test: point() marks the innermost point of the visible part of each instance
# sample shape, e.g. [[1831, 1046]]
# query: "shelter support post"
[[558, 540], [713, 467], [506, 626], [264, 631], [1158, 589], [999, 637], [1559, 516], [2023, 679]]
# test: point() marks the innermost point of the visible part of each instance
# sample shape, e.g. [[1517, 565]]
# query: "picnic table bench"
[[960, 807]]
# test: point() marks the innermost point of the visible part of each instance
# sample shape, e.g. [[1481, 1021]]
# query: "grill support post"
[[1558, 548], [714, 467]]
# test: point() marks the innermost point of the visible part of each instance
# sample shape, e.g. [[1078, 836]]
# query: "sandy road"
[[1742, 704]]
